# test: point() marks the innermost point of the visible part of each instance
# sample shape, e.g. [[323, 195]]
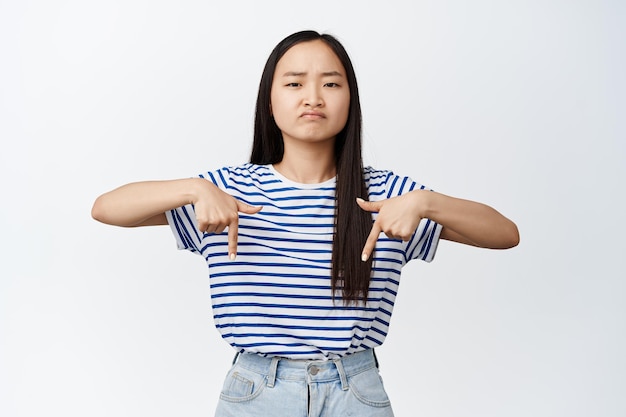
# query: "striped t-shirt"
[[275, 298]]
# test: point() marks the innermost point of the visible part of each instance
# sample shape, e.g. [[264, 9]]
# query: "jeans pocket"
[[242, 385], [368, 388]]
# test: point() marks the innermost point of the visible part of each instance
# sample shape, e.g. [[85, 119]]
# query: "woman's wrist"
[[423, 203], [193, 188]]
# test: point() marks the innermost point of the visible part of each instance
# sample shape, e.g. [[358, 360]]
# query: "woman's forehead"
[[310, 56]]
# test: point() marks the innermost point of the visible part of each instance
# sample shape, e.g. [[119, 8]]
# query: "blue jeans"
[[258, 386]]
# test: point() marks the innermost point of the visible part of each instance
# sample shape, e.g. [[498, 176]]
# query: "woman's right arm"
[[145, 203]]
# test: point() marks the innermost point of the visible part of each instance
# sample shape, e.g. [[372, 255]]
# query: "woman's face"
[[310, 97]]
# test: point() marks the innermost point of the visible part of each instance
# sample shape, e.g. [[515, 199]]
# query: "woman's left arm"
[[466, 221], [463, 221]]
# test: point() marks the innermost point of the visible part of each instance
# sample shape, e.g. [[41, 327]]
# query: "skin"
[[309, 102]]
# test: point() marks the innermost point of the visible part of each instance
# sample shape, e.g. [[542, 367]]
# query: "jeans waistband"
[[275, 367]]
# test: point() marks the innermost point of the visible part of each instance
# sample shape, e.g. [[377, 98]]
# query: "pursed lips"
[[312, 114]]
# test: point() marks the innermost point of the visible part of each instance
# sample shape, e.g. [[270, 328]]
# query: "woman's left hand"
[[397, 218]]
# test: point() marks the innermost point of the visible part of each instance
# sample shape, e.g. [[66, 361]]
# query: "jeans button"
[[313, 370]]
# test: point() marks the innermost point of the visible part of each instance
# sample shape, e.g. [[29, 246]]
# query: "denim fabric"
[[258, 386]]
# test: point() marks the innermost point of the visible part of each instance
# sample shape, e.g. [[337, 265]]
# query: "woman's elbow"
[[101, 212], [98, 211], [510, 237]]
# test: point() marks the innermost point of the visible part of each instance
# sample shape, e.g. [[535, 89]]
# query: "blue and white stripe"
[[275, 298]]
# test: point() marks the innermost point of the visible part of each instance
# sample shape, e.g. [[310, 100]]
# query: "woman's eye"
[[332, 85], [293, 85]]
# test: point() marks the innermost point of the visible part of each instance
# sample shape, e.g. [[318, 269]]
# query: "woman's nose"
[[313, 97]]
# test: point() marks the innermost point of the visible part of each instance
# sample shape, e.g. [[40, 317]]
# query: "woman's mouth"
[[312, 114]]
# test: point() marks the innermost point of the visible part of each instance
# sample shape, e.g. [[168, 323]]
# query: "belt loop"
[[271, 377], [342, 374]]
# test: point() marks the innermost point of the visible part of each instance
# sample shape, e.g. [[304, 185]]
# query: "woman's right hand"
[[217, 210]]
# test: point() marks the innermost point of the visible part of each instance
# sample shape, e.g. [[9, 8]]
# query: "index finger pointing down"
[[370, 243], [233, 230]]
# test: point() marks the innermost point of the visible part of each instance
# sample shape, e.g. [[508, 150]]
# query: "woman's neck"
[[307, 166]]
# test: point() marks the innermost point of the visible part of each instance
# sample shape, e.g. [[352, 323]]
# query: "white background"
[[518, 104]]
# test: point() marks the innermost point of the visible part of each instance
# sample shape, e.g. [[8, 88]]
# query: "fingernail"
[[360, 200], [232, 256], [364, 257]]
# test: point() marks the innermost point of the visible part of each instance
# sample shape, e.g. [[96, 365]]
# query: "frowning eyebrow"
[[303, 73]]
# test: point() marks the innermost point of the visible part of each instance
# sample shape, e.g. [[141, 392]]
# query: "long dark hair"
[[352, 225]]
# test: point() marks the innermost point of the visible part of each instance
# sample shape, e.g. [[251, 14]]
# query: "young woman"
[[304, 244]]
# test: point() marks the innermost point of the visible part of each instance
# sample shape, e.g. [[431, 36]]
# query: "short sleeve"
[[423, 244], [182, 221]]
